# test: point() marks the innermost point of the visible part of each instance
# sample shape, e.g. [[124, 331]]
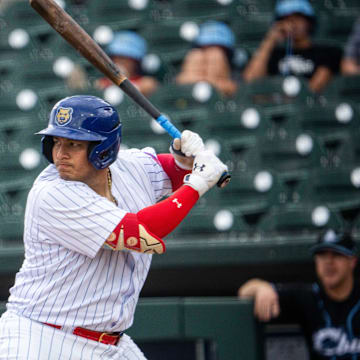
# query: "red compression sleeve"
[[163, 217], [175, 173]]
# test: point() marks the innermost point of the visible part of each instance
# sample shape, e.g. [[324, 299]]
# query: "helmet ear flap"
[[47, 144]]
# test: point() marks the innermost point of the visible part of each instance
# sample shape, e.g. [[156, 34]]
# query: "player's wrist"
[[197, 182]]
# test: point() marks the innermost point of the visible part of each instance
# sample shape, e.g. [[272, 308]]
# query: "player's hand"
[[266, 303], [190, 144], [206, 172]]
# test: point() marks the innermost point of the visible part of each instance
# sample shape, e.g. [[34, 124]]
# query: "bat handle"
[[169, 127], [175, 133]]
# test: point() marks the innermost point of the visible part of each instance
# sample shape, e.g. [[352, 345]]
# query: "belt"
[[102, 337]]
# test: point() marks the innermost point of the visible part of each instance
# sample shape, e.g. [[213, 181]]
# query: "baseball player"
[[93, 220]]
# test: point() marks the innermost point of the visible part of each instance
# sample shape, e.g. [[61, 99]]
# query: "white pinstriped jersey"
[[67, 278]]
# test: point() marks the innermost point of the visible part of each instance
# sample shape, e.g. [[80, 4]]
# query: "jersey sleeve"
[[74, 216]]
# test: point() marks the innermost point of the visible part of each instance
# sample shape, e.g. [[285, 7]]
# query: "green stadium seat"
[[339, 150], [239, 153], [338, 188], [123, 13], [252, 195], [165, 39], [199, 10], [283, 120], [10, 74], [251, 27], [41, 75], [336, 6], [240, 122], [334, 117], [343, 88], [275, 90], [13, 195], [207, 220], [293, 153], [253, 7], [337, 24], [299, 220], [22, 14], [296, 186]]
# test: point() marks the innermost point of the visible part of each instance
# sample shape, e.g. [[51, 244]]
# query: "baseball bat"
[[75, 35]]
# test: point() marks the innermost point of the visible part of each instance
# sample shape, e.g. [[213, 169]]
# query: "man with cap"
[[328, 310], [288, 49], [127, 50], [210, 59]]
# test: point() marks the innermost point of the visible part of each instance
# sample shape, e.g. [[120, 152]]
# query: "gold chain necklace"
[[109, 178]]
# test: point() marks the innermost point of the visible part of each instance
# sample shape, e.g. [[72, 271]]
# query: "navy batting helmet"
[[89, 118]]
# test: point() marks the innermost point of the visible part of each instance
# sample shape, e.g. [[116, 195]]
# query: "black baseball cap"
[[330, 239]]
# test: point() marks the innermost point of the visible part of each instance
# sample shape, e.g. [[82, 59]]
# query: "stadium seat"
[[13, 195], [339, 23], [252, 194], [275, 90], [165, 39], [208, 220], [240, 153], [339, 150], [200, 10], [338, 188], [296, 186], [343, 88], [126, 14], [22, 14], [174, 98], [237, 122], [329, 118], [292, 153], [10, 74], [299, 220], [251, 27], [282, 120]]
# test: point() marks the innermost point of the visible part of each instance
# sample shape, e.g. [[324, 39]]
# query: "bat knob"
[[224, 180]]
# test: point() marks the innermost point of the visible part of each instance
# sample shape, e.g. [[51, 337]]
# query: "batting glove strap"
[[197, 182]]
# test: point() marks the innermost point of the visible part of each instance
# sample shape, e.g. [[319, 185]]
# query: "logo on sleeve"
[[63, 115], [177, 202]]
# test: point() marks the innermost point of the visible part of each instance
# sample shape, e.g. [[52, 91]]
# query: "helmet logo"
[[63, 115]]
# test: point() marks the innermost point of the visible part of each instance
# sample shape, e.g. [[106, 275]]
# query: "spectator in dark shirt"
[[210, 59], [328, 310], [288, 49], [350, 64]]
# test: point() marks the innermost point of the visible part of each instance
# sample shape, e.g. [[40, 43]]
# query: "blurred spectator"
[[127, 49], [328, 310], [350, 64], [210, 59], [288, 49]]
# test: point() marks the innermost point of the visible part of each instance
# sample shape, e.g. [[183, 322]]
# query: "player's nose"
[[60, 151]]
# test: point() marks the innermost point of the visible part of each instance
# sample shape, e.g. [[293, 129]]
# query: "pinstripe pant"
[[24, 339]]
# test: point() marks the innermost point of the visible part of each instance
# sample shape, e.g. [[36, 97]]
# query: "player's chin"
[[65, 173]]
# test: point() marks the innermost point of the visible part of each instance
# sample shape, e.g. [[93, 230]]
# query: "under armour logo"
[[178, 204], [201, 167]]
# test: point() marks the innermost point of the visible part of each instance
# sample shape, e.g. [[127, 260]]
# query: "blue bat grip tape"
[[168, 126]]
